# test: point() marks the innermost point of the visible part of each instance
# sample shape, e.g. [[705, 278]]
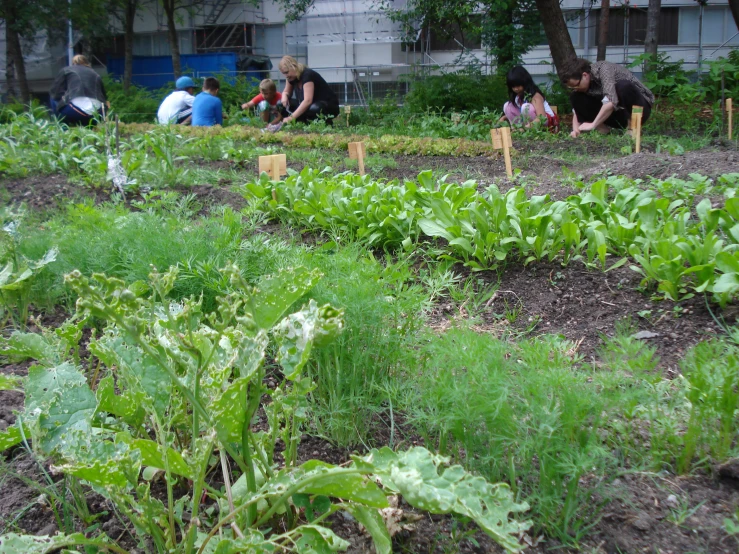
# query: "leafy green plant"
[[17, 273], [712, 374], [189, 384]]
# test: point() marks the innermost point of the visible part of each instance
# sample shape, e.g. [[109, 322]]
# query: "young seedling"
[[636, 115], [356, 152], [502, 140], [275, 165], [730, 113]]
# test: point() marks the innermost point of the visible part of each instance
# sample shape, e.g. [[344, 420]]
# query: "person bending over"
[[526, 101], [313, 96], [78, 93], [267, 103], [207, 109], [603, 96], [177, 107]]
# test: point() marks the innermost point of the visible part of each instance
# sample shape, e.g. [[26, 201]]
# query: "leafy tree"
[[125, 12], [558, 36], [24, 20], [508, 28]]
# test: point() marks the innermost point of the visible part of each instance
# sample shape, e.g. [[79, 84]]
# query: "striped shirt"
[[605, 75]]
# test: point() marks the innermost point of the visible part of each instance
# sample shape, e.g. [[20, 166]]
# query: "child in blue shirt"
[[207, 109]]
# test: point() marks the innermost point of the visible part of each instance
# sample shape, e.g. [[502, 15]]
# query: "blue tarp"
[[156, 71]]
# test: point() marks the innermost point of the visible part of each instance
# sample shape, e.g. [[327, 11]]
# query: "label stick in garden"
[[356, 152], [730, 113], [502, 140], [275, 166], [347, 111], [554, 109], [636, 115]]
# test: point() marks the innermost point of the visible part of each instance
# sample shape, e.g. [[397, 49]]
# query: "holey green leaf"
[[107, 464], [426, 482], [28, 544], [296, 334], [58, 401]]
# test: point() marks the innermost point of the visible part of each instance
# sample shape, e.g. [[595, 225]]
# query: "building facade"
[[351, 43]]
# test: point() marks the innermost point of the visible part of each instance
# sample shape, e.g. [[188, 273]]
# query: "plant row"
[[33, 144], [678, 247]]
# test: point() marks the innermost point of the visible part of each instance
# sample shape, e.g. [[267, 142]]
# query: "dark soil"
[[584, 305], [49, 193]]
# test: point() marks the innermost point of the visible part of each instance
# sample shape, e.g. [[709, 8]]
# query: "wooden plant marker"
[[730, 113], [502, 140], [347, 111], [554, 109], [356, 152], [636, 115], [275, 166]]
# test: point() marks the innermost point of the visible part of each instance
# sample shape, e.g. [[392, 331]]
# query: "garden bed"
[[638, 511]]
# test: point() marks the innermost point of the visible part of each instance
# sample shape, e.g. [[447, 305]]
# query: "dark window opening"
[[463, 34], [637, 26], [224, 38]]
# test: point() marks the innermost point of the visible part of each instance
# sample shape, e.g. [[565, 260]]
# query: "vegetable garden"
[[428, 358]]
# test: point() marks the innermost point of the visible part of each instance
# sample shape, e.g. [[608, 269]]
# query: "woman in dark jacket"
[[78, 92], [313, 96]]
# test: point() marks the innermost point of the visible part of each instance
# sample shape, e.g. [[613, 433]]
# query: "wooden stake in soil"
[[730, 113], [636, 115], [554, 109], [502, 140], [275, 166], [356, 152], [347, 111]]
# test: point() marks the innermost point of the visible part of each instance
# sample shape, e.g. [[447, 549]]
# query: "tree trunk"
[[734, 7], [652, 39], [16, 53], [174, 45], [560, 42], [504, 42], [131, 6], [10, 82], [605, 12]]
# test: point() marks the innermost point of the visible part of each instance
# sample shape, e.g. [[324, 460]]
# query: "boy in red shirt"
[[266, 102]]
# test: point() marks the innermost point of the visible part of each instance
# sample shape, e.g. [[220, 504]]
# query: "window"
[[224, 38], [718, 26], [457, 36], [157, 44], [637, 26]]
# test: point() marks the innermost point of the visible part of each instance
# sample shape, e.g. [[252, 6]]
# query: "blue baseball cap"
[[185, 82]]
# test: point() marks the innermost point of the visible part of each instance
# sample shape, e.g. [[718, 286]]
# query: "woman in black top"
[[313, 96]]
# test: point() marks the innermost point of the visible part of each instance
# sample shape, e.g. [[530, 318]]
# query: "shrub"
[[464, 90], [138, 105]]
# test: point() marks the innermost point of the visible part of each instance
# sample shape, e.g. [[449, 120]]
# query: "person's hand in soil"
[[586, 127], [575, 133]]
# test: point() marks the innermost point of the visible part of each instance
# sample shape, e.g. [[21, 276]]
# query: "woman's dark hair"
[[573, 69], [519, 77]]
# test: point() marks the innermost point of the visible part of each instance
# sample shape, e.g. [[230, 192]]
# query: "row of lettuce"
[[680, 244]]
